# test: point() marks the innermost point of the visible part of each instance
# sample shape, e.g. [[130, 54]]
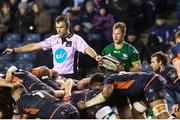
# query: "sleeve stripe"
[[136, 62], [176, 80]]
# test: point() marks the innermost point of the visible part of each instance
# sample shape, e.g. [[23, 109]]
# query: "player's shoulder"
[[110, 46], [129, 46]]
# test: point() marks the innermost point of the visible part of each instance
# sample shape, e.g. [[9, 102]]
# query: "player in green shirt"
[[128, 57], [123, 51]]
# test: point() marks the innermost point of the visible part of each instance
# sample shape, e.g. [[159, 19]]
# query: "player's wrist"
[[95, 57], [13, 50]]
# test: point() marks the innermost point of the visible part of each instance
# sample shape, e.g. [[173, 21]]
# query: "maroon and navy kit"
[[173, 81], [31, 82], [44, 106], [138, 85]]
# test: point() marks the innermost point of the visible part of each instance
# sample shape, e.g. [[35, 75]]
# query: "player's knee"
[[106, 113], [161, 111], [139, 107]]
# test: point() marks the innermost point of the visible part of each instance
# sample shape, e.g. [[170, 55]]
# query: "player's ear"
[[160, 63]]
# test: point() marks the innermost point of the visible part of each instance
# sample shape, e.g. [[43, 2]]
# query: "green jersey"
[[127, 55]]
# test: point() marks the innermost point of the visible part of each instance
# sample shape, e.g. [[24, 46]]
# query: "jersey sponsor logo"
[[125, 56], [172, 74], [116, 51], [60, 55], [150, 90]]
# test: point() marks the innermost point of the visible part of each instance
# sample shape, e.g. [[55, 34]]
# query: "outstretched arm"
[[26, 48]]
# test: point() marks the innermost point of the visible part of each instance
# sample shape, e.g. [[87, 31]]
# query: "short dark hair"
[[64, 19], [161, 56], [98, 77]]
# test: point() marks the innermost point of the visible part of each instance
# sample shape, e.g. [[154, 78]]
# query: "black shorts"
[[118, 99], [155, 90]]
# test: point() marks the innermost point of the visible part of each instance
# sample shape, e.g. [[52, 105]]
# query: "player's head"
[[158, 60], [119, 32], [62, 24], [97, 81], [16, 91], [41, 71], [177, 36]]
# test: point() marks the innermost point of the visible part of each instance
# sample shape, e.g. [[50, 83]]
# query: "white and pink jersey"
[[63, 52]]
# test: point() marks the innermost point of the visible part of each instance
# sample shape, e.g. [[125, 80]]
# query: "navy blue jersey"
[[175, 51], [31, 82], [132, 82], [50, 82], [147, 86], [173, 81], [38, 103], [85, 96], [170, 74]]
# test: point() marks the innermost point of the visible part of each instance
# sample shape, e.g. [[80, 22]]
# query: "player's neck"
[[162, 68], [119, 45], [67, 34]]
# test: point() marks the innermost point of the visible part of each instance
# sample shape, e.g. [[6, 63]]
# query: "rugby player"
[[141, 86], [160, 64], [101, 111], [41, 104]]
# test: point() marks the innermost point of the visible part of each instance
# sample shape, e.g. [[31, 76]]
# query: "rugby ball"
[[110, 62]]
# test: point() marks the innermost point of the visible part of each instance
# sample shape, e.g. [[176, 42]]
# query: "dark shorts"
[[118, 99], [155, 90]]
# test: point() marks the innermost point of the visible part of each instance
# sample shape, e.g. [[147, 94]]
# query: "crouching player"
[[142, 86], [101, 111], [30, 82], [41, 104]]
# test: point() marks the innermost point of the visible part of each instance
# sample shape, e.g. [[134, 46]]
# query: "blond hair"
[[120, 25]]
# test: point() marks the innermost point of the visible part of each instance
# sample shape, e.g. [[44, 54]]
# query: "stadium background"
[[140, 16]]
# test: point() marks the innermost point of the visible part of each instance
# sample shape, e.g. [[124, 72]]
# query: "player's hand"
[[81, 105], [66, 98], [175, 108], [8, 51], [98, 58]]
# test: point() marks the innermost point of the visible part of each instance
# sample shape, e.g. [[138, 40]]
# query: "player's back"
[[38, 103], [130, 82], [30, 81]]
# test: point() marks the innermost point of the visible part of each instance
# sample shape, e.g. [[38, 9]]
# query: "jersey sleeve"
[[135, 57], [46, 44], [80, 44], [171, 74], [172, 93]]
